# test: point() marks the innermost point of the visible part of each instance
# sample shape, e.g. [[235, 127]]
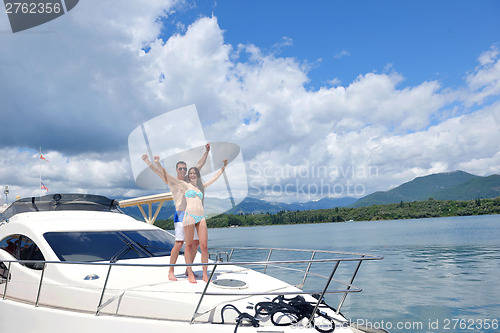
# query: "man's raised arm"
[[155, 168]]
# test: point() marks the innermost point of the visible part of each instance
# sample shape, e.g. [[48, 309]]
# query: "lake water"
[[437, 275]]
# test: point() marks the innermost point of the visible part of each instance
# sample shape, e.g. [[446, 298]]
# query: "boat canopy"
[[56, 202]]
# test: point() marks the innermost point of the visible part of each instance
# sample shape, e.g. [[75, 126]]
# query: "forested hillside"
[[402, 210]]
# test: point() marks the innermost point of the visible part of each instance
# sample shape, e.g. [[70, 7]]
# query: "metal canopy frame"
[[149, 201]]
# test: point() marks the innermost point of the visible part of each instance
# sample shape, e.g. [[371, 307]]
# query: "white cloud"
[[341, 54], [484, 81], [76, 75], [85, 173]]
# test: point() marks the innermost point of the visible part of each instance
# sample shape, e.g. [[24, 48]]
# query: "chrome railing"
[[268, 252], [230, 254]]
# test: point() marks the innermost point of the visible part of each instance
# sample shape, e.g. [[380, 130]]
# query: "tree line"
[[402, 210]]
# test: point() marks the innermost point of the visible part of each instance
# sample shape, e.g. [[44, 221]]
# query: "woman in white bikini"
[[194, 218]]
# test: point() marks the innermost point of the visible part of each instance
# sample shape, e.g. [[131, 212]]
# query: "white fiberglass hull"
[[31, 319]]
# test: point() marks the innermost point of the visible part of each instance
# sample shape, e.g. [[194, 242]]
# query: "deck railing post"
[[268, 258], [324, 291], [7, 281], [103, 290], [306, 273], [350, 283], [40, 285], [203, 294]]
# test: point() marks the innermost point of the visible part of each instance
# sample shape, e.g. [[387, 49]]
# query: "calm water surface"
[[437, 275]]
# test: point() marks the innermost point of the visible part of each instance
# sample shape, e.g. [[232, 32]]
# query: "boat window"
[[4, 272], [11, 245], [92, 246], [23, 248], [28, 250], [157, 242]]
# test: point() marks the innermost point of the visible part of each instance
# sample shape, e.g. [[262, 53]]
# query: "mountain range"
[[252, 205], [457, 185], [249, 206]]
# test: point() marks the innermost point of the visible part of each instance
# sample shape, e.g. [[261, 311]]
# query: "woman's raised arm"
[[216, 176]]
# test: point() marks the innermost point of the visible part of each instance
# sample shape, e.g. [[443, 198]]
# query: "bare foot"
[[205, 278], [192, 279], [187, 274], [171, 276]]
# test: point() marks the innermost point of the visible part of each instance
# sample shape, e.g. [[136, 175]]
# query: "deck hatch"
[[230, 283]]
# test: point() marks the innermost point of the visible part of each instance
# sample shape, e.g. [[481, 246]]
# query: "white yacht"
[[75, 263]]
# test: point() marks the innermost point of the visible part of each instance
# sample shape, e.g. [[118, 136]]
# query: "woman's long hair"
[[199, 182]]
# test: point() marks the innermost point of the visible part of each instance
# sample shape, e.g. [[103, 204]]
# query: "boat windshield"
[[90, 246]]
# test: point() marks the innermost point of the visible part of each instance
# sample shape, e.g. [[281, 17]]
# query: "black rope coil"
[[241, 317], [296, 309]]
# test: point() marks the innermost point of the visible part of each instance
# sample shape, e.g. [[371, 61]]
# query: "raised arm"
[[217, 175], [168, 178], [203, 159], [158, 171]]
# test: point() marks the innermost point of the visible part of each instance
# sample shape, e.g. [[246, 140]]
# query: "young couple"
[[189, 221]]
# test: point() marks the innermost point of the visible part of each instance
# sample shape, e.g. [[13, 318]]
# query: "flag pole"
[[42, 185], [40, 158]]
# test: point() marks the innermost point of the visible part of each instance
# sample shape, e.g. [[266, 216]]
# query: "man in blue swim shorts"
[[180, 207], [179, 227]]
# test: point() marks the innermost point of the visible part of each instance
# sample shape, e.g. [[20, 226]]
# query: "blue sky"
[[425, 40], [323, 97]]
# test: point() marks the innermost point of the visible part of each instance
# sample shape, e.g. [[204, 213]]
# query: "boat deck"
[[128, 289]]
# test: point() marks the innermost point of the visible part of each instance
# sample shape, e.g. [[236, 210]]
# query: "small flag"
[[43, 187], [43, 158]]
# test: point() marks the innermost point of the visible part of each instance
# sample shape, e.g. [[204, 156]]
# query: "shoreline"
[[399, 211]]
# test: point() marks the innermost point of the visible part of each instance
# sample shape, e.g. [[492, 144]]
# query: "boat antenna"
[[6, 192]]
